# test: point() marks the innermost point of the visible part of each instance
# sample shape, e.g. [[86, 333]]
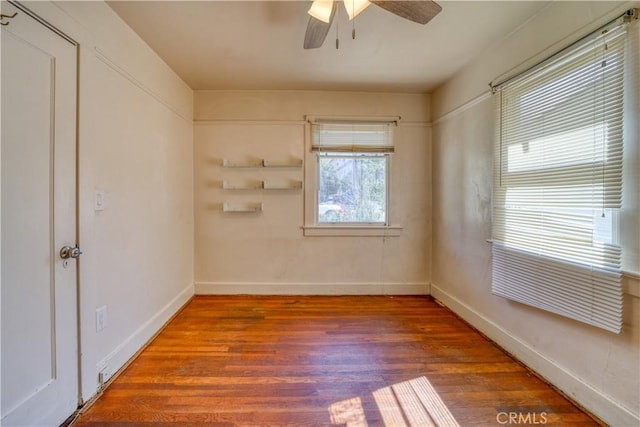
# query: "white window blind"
[[558, 183], [353, 136]]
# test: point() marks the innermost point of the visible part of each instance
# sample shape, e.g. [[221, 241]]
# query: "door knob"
[[70, 252]]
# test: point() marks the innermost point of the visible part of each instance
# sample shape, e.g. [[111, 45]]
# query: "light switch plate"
[[101, 318], [99, 201]]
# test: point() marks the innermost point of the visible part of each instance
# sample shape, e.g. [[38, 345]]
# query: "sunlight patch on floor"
[[413, 403], [348, 412]]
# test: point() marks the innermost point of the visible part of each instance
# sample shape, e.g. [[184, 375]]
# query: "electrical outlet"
[[104, 376], [101, 318]]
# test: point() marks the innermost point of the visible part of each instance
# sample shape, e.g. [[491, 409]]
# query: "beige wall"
[[135, 144], [599, 369], [267, 252]]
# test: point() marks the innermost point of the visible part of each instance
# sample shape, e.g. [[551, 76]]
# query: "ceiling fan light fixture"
[[321, 9], [323, 13], [354, 7]]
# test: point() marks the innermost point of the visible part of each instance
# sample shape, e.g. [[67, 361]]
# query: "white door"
[[38, 215]]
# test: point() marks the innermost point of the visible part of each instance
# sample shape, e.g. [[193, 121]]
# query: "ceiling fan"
[[323, 11]]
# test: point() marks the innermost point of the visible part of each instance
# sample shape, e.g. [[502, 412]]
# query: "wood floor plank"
[[303, 361]]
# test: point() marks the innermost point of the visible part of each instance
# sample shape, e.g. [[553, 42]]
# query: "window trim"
[[353, 230], [311, 225]]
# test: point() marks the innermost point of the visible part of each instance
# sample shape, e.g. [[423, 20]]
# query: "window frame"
[[312, 226]]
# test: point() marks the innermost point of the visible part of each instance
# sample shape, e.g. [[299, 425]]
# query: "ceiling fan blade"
[[417, 11], [317, 30]]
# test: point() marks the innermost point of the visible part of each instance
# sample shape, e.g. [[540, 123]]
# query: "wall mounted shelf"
[[263, 185], [242, 207], [254, 164], [294, 163], [253, 185], [282, 185]]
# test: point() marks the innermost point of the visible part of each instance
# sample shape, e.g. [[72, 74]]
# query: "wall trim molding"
[[119, 357], [464, 107], [402, 124], [336, 288], [214, 122], [587, 396]]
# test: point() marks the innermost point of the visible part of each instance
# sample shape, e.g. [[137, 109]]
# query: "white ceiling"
[[258, 44]]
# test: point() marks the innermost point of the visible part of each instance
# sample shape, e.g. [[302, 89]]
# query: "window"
[[350, 178], [352, 188], [558, 183]]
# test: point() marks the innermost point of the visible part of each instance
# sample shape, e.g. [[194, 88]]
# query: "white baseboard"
[[267, 288], [128, 348], [593, 400]]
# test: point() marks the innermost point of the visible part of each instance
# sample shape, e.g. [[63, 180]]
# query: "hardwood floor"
[[298, 361]]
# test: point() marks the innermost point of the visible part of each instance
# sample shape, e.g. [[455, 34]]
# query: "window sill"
[[353, 230]]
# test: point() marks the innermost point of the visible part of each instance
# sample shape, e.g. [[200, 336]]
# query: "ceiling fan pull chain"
[[353, 30], [337, 26], [353, 21]]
